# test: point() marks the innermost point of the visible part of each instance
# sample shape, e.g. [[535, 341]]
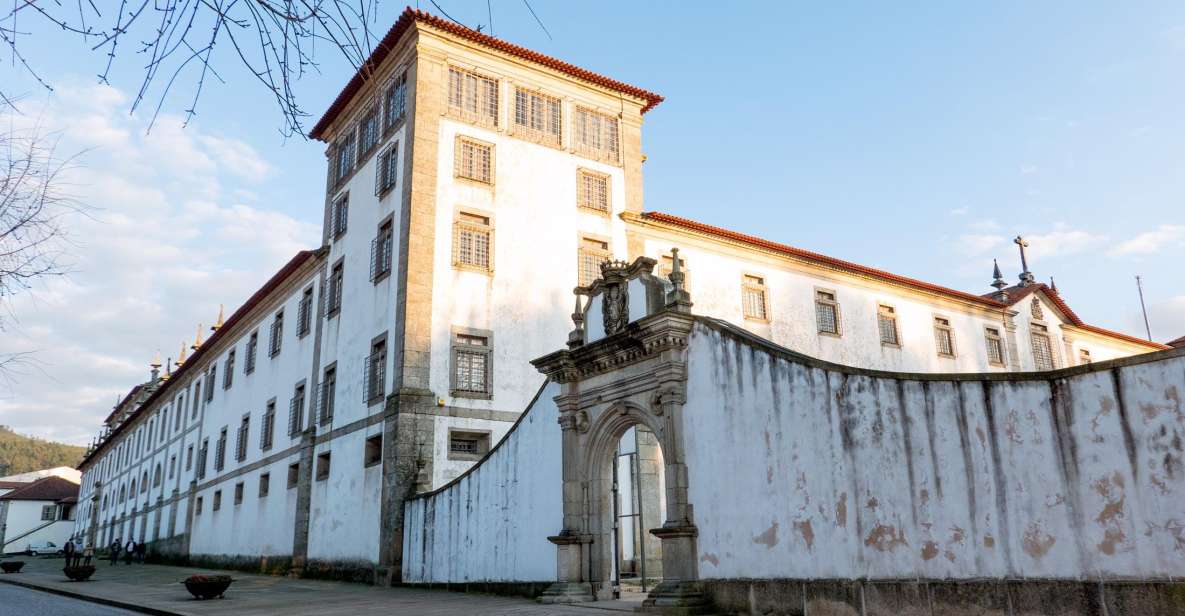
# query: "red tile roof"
[[12, 485], [412, 16], [1017, 293], [274, 282], [51, 488], [1177, 343]]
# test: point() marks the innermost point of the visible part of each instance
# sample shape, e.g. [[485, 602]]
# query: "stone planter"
[[207, 586], [12, 566], [79, 573]]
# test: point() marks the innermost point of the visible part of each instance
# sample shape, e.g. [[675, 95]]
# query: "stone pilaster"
[[304, 499]]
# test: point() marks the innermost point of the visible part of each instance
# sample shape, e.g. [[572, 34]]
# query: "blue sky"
[[919, 138]]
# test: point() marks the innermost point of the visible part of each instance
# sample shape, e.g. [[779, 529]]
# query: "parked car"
[[43, 547]]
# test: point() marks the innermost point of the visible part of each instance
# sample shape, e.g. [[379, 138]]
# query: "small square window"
[[592, 190], [473, 240], [293, 475], [468, 445], [374, 450], [323, 466], [474, 160], [264, 484]]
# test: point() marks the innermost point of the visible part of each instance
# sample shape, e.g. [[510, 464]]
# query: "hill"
[[21, 454]]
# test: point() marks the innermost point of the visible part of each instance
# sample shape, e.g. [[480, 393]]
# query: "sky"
[[915, 137]]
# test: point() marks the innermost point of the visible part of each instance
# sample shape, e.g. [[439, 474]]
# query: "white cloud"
[[1028, 169], [1150, 242], [1062, 241], [977, 244], [960, 211]]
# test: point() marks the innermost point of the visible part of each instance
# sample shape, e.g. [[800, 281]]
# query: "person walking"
[[87, 553], [141, 550], [77, 550], [68, 551], [115, 548], [129, 551]]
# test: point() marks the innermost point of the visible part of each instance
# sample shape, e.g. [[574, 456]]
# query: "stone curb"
[[90, 598]]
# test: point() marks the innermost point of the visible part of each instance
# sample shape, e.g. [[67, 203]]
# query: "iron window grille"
[[336, 279], [395, 102], [369, 131], [376, 373], [241, 439], [826, 313], [228, 374], [304, 313], [886, 322], [595, 135], [239, 493], [537, 117], [210, 383], [463, 445], [388, 171], [277, 335], [592, 190], [944, 337], [591, 254], [265, 480], [471, 365], [472, 97], [220, 451], [753, 299], [1042, 348], [341, 215], [1083, 356], [474, 160], [327, 396], [296, 412], [252, 349], [343, 158], [380, 253], [189, 458], [473, 239], [995, 346], [267, 431]]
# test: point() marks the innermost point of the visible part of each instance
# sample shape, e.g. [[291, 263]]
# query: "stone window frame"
[[276, 338], [891, 316], [323, 463], [369, 141], [460, 224], [293, 475], [304, 312], [395, 89], [753, 282], [244, 432], [252, 349], [267, 427], [605, 251], [582, 202], [296, 406], [372, 450], [526, 132], [459, 170], [483, 438], [386, 174], [605, 154], [238, 493], [1084, 357], [217, 501], [327, 395], [339, 215], [1040, 329], [382, 250], [197, 506], [220, 449], [265, 482], [203, 458], [378, 345], [347, 141], [818, 300], [336, 284], [488, 350], [476, 116], [211, 377], [172, 466], [993, 337], [228, 370], [189, 457], [942, 323]]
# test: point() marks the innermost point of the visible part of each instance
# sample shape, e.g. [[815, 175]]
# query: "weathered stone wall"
[[491, 524], [849, 474]]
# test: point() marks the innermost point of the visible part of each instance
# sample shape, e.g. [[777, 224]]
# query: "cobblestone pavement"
[[19, 601], [157, 589]]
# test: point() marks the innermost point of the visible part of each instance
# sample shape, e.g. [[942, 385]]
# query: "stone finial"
[[576, 336], [181, 356], [997, 277], [197, 340], [217, 324], [1052, 285], [155, 364], [678, 299]]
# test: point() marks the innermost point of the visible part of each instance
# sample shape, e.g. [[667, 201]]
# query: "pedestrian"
[[68, 551], [77, 550], [141, 550], [115, 547], [87, 554], [129, 551]]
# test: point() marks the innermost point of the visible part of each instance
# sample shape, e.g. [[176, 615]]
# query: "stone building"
[[471, 185]]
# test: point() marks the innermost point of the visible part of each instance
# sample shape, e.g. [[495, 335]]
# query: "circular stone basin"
[[207, 586]]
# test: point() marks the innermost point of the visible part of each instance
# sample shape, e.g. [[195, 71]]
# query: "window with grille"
[[265, 480], [197, 395], [217, 500], [228, 374], [327, 401], [49, 512], [239, 493], [337, 277], [537, 117], [210, 383], [590, 256], [376, 372], [296, 411], [395, 102], [172, 466], [252, 347], [944, 337], [467, 445], [380, 252], [343, 158], [267, 430], [1083, 356], [197, 507], [826, 312], [474, 160], [592, 190], [304, 313], [341, 215], [471, 365], [189, 458], [277, 338], [995, 346], [886, 322], [323, 466], [753, 303], [369, 130], [241, 439], [595, 135], [388, 169], [1042, 348], [220, 451], [472, 97], [179, 412], [472, 242]]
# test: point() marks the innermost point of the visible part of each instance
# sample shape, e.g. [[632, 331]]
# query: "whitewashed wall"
[[848, 475], [492, 524]]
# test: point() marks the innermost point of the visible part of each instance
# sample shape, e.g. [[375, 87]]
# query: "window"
[[323, 466], [753, 300], [826, 312], [388, 171], [595, 135], [197, 507], [328, 394], [217, 500], [467, 445], [340, 215], [474, 160], [304, 313], [380, 252], [1042, 348], [343, 158], [49, 512], [296, 412], [172, 466], [197, 390], [203, 454], [241, 438], [995, 346], [1083, 356], [228, 374], [589, 257], [157, 477], [179, 413], [373, 453], [252, 347], [220, 451], [369, 130], [277, 337], [944, 337], [376, 371], [269, 426], [472, 242], [886, 322], [537, 117], [471, 364], [210, 383], [592, 190], [472, 97], [395, 102], [265, 481], [189, 458], [336, 278], [239, 493], [293, 475]]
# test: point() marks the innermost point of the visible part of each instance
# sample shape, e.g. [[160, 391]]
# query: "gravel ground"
[[17, 601]]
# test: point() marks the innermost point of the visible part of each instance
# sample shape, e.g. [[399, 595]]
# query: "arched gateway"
[[625, 367]]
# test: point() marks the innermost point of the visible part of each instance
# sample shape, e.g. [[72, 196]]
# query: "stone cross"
[[1026, 277]]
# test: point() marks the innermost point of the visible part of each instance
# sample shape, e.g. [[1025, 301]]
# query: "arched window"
[[144, 482], [123, 491], [156, 477]]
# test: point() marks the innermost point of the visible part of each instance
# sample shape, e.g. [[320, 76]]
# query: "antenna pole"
[[1143, 308]]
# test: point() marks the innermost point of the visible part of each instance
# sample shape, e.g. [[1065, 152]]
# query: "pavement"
[[157, 589], [16, 600]]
